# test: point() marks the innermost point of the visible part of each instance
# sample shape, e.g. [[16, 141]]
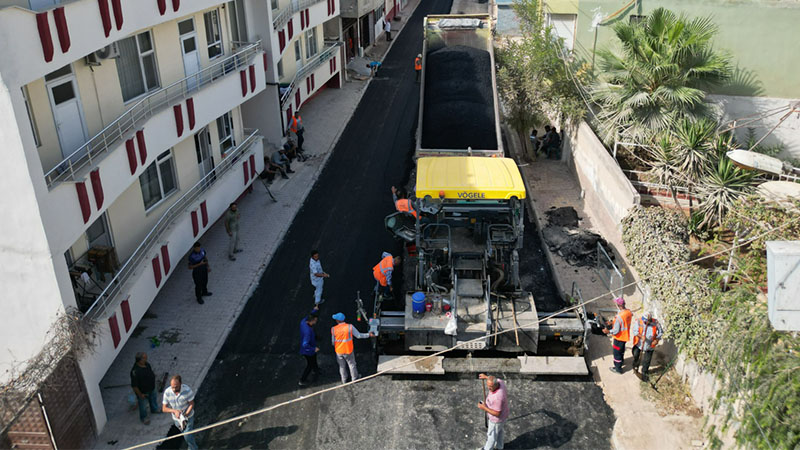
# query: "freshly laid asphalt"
[[259, 364]]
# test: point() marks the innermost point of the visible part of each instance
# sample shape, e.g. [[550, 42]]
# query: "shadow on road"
[[553, 435]]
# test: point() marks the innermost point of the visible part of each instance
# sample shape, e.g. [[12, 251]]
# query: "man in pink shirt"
[[496, 407]]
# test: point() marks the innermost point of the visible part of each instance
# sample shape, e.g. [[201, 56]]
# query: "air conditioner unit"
[[109, 51]]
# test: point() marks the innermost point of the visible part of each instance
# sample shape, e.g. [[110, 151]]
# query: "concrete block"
[[411, 364], [552, 365]]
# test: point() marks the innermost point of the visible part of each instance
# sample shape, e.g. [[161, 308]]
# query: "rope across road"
[[461, 344]]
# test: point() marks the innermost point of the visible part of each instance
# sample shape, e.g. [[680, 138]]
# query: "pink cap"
[[620, 301]]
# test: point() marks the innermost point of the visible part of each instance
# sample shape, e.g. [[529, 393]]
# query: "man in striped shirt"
[[179, 401]]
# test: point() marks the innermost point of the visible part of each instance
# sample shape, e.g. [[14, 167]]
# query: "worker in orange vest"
[[646, 332], [621, 333], [382, 272], [296, 126], [402, 203], [418, 66], [342, 339]]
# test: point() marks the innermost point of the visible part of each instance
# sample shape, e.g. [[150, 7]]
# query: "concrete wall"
[[608, 191]]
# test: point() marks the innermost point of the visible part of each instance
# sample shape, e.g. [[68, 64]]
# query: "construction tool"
[[485, 416], [265, 182], [516, 324], [666, 369]]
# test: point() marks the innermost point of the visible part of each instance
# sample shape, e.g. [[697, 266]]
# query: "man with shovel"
[[496, 408]]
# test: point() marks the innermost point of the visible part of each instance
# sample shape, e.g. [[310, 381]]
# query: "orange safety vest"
[[380, 269], [625, 317], [404, 205], [342, 338], [642, 334], [294, 124], [418, 63]]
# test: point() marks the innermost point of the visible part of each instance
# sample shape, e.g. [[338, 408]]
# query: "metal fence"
[[145, 108], [282, 17], [609, 272], [155, 235]]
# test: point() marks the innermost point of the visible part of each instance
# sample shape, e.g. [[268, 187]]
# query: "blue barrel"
[[418, 302]]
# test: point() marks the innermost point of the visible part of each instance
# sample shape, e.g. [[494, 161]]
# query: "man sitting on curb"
[[280, 161]]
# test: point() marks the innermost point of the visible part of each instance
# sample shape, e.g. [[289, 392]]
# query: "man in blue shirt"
[[308, 346], [198, 264]]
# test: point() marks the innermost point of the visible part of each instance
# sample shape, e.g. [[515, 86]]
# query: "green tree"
[[533, 80], [658, 76]]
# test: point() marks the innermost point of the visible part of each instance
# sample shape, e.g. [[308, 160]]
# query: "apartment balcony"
[[35, 43], [133, 288], [309, 78], [113, 159], [296, 18]]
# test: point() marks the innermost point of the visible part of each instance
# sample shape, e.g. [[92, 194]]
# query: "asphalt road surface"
[[259, 364]]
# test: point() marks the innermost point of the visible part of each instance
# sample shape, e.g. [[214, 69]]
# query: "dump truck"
[[462, 281], [458, 108]]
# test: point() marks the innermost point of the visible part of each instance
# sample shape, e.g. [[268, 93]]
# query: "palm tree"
[[665, 165], [659, 76], [722, 185]]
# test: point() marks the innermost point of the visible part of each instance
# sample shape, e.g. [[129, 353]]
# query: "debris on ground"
[[459, 104], [563, 236], [671, 395]]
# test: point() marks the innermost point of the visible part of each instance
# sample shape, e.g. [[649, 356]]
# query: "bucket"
[[418, 302]]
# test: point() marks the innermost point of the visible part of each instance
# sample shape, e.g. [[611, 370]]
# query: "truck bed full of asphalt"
[[342, 217], [459, 102]]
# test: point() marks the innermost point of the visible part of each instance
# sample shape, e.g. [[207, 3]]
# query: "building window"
[[225, 132], [564, 26], [280, 69], [213, 34], [311, 43], [274, 4], [298, 53], [236, 19], [136, 66], [378, 13], [34, 129], [158, 181]]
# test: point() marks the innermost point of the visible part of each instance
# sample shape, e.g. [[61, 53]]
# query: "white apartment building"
[[128, 126]]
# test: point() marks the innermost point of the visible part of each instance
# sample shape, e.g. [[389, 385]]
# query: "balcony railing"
[[326, 54], [106, 298], [285, 14], [145, 108]]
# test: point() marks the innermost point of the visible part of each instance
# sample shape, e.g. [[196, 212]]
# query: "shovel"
[[485, 417]]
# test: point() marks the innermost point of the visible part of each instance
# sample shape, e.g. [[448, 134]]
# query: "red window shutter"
[[176, 4], [253, 166], [297, 99], [302, 20], [97, 188], [308, 17], [265, 61], [162, 6], [43, 25], [190, 112], [313, 82], [83, 199], [112, 323], [281, 41], [178, 119], [252, 69], [329, 7], [165, 258], [290, 28], [61, 28], [117, 7], [105, 16], [195, 225], [157, 271], [142, 146], [308, 85], [243, 77], [289, 115], [204, 213], [132, 161], [126, 314], [333, 6], [246, 169]]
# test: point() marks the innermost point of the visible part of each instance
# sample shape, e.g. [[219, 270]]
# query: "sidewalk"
[[191, 335], [552, 184]]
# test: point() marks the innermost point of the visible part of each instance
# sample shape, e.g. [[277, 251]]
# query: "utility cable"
[[463, 343]]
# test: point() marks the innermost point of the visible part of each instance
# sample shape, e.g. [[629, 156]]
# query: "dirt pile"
[[459, 105], [563, 236]]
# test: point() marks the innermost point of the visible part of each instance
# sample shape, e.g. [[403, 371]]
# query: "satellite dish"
[[756, 161], [784, 193]]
